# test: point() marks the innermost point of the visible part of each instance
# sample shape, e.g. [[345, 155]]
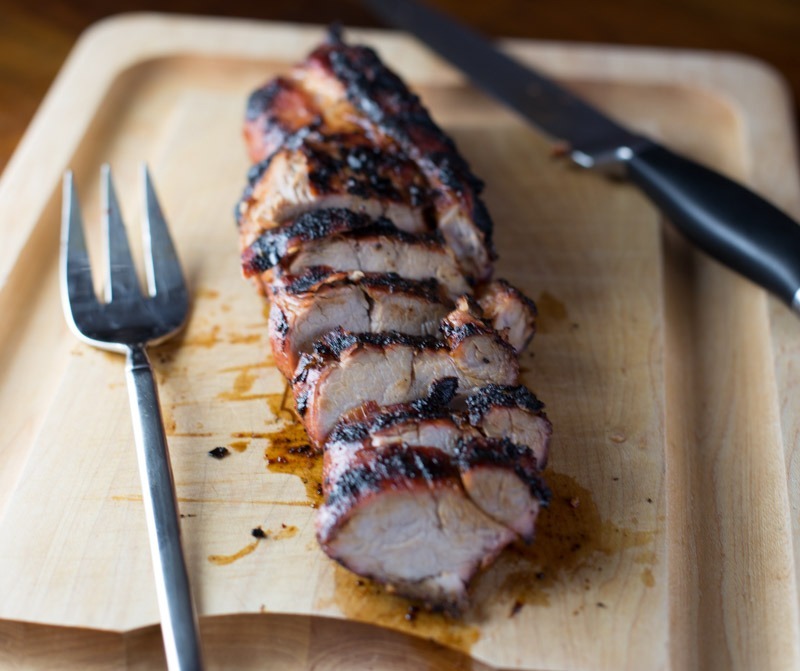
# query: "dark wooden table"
[[35, 37]]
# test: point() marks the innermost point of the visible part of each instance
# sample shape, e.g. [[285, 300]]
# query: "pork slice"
[[281, 112], [500, 475], [279, 244], [512, 412], [443, 419], [511, 313], [343, 240], [503, 480], [336, 171], [348, 370], [306, 307], [412, 257], [402, 518]]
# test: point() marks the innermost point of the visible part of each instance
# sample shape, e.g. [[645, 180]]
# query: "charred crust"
[[358, 431], [516, 293], [391, 468], [315, 278], [279, 322], [440, 393], [455, 333], [371, 171], [263, 98], [384, 98], [494, 395], [272, 245], [501, 452], [265, 253], [308, 280], [432, 407], [392, 282], [336, 342], [254, 173], [301, 402]]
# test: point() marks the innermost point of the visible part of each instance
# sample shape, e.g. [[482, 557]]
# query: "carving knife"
[[720, 216]]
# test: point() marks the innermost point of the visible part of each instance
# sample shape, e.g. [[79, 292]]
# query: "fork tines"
[[156, 315]]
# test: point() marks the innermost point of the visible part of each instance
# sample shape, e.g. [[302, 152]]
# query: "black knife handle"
[[723, 218]]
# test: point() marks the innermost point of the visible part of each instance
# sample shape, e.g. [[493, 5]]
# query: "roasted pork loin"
[[364, 227], [499, 475], [307, 307], [403, 517], [347, 370], [342, 87]]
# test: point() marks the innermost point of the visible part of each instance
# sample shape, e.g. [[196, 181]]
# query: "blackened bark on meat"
[[474, 452], [485, 398], [385, 470], [385, 99], [268, 250], [433, 406]]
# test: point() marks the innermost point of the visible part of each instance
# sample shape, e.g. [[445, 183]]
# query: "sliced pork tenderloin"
[[513, 412], [348, 370], [501, 476], [307, 306], [503, 480], [337, 171], [443, 420], [403, 518], [511, 313], [343, 240]]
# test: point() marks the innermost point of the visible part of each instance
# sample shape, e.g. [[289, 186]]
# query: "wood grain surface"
[[669, 542], [36, 37]]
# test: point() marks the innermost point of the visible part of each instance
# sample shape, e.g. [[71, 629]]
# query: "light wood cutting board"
[[669, 381]]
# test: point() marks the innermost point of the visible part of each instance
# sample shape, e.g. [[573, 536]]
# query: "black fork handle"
[[178, 615]]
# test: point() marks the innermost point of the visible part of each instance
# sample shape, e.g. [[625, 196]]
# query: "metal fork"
[[127, 321]]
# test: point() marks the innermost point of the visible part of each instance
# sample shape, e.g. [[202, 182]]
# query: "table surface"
[[35, 38]]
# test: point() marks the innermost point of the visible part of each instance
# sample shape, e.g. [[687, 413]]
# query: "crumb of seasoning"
[[515, 608], [615, 479], [574, 502], [219, 452], [600, 604], [540, 575], [360, 582], [258, 532], [411, 613], [649, 500]]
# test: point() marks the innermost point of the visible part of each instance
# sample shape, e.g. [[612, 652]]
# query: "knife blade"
[[720, 216]]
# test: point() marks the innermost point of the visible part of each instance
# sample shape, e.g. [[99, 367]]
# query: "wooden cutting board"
[[670, 383]]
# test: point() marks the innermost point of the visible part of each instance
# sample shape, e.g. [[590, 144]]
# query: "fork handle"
[[176, 607]]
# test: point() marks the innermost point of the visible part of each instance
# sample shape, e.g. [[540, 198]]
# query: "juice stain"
[[366, 601], [571, 541], [551, 312], [242, 383], [289, 449], [223, 560]]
